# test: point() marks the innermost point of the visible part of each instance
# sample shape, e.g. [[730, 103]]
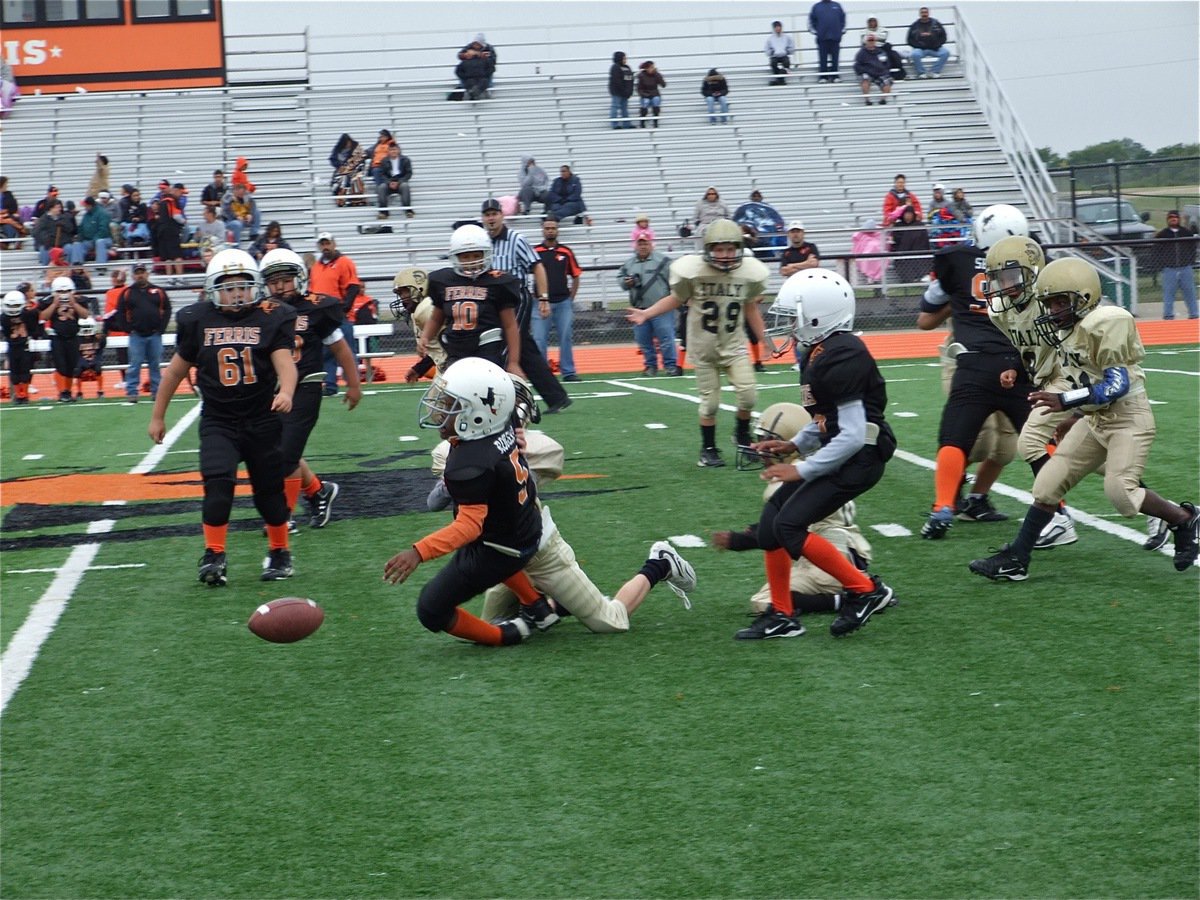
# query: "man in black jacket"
[[1178, 257], [926, 37], [143, 311], [620, 89]]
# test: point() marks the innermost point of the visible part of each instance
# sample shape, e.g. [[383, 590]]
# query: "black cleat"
[[513, 631], [979, 509], [939, 522], [1157, 532], [321, 504], [771, 624], [277, 565], [212, 568], [710, 458], [540, 614], [559, 407], [857, 608], [1187, 538], [1001, 566]]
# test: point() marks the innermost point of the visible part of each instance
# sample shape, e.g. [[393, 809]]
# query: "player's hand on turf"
[[781, 471], [281, 403], [399, 567], [1046, 400], [352, 396], [1008, 378]]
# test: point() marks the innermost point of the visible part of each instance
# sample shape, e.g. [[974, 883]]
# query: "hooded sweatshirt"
[[240, 177], [533, 176], [620, 77]]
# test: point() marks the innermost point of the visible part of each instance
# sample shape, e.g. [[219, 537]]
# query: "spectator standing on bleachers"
[[926, 37], [641, 229], [166, 234], [512, 253], [534, 184], [113, 327], [240, 168], [564, 199], [144, 311], [909, 235], [799, 254], [1178, 257], [779, 49], [649, 84], [708, 209], [562, 283], [9, 92], [715, 89], [54, 228], [93, 233], [871, 65], [391, 177], [42, 205], [620, 89], [897, 198], [135, 217], [211, 233], [241, 214], [960, 207], [645, 276], [336, 275], [214, 192], [99, 180], [827, 21], [270, 239]]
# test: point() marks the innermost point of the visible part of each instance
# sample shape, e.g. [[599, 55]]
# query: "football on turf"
[[286, 620]]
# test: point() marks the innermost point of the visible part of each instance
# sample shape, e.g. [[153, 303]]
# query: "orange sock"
[[779, 579], [520, 585], [23, 390], [682, 358], [291, 491], [1050, 448], [214, 537], [277, 537], [310, 489], [828, 558], [756, 352], [473, 628], [951, 464]]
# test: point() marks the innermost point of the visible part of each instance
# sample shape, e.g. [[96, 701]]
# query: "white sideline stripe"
[[1120, 531], [90, 569], [1172, 372], [17, 659]]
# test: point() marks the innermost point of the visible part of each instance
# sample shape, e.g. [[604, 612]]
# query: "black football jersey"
[[960, 270], [471, 305], [91, 349], [18, 329], [493, 471], [317, 317], [840, 370], [65, 321], [232, 354]]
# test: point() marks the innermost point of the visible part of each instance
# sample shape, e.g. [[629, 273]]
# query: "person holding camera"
[[646, 276]]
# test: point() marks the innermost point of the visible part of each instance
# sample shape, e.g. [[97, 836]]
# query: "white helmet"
[[998, 221], [88, 327], [470, 239], [13, 303], [473, 398], [820, 300], [284, 262], [232, 264], [62, 285]]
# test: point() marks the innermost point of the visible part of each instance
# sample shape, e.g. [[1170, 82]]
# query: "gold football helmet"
[[1012, 266], [1068, 289]]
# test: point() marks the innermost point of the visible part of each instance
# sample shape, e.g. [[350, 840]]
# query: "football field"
[[980, 739]]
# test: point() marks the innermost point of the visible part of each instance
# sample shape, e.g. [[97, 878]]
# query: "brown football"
[[286, 620]]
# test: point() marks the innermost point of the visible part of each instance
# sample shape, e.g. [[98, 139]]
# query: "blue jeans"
[[562, 315], [918, 55], [331, 365], [564, 211], [828, 53], [143, 349], [1179, 279], [662, 328], [102, 246], [140, 231], [713, 104], [618, 112]]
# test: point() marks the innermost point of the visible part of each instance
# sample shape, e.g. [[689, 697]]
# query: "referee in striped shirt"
[[513, 254]]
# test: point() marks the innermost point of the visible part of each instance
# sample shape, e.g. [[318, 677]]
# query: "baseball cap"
[[324, 236], [89, 201], [490, 204], [642, 217], [164, 183], [52, 190], [1173, 212], [104, 195], [795, 225], [643, 237], [139, 267], [939, 187]]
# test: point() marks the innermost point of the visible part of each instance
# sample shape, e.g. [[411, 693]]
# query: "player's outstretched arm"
[[285, 371]]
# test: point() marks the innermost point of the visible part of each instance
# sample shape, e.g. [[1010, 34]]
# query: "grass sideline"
[[1034, 739]]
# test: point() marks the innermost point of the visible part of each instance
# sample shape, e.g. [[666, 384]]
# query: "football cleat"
[[1059, 532], [683, 577], [771, 624], [293, 528], [855, 608], [1187, 538], [1157, 532], [277, 565], [539, 614], [979, 509], [710, 458], [212, 568], [1001, 566], [940, 521], [320, 504], [513, 631]]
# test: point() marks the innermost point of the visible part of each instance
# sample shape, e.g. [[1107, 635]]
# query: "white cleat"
[[683, 577], [1059, 532]]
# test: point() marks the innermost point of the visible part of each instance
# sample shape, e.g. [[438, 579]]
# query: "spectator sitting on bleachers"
[[779, 49], [872, 66], [212, 231], [874, 28], [241, 213], [93, 233], [39, 208], [895, 60], [896, 199], [54, 229], [57, 266], [105, 201], [960, 207], [480, 57], [641, 229], [392, 177], [534, 184], [240, 177], [11, 226], [649, 83], [565, 197], [939, 201], [868, 239], [715, 89], [380, 151], [910, 236], [270, 239], [926, 37], [135, 218], [214, 192], [348, 160], [709, 208]]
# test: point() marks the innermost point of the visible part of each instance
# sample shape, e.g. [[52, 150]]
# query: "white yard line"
[[18, 657]]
